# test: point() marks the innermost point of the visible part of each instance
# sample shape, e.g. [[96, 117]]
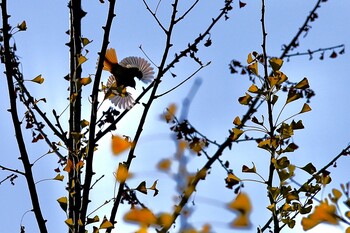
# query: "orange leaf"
[[119, 144], [143, 216], [122, 173]]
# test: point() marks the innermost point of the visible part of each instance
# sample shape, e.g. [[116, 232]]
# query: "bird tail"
[[110, 59]]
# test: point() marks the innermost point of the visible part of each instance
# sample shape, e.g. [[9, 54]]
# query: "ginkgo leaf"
[[142, 216], [165, 220], [336, 195], [22, 26], [38, 79], [249, 170], [254, 68], [106, 224], [292, 95], [309, 168], [69, 222], [322, 213], [85, 41], [63, 201], [164, 165], [243, 207], [231, 180], [95, 230], [236, 133], [306, 108], [170, 113], [253, 89], [245, 100], [250, 58], [142, 187], [69, 166], [81, 59], [276, 63], [92, 220], [122, 173], [85, 81], [303, 84], [119, 144], [59, 177], [84, 123], [153, 187], [237, 121]]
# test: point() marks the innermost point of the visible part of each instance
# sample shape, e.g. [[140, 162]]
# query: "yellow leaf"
[[347, 230], [59, 177], [122, 173], [249, 58], [170, 113], [347, 214], [85, 81], [142, 216], [119, 144], [336, 195], [73, 97], [237, 121], [142, 187], [22, 26], [245, 100], [254, 68], [322, 213], [85, 41], [165, 220], [243, 207], [81, 59], [292, 95], [84, 123], [306, 108], [106, 224], [80, 223], [69, 222], [164, 165], [253, 89], [236, 133], [63, 203], [153, 187], [95, 230], [276, 63], [38, 79], [303, 84]]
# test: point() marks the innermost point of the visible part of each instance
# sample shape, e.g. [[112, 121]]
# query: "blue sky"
[[42, 51]]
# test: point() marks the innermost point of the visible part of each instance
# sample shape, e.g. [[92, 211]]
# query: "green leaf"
[[309, 168]]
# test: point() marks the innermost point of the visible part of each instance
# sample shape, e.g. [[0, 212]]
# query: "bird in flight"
[[123, 75]]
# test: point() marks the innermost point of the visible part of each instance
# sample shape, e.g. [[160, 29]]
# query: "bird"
[[123, 75]]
